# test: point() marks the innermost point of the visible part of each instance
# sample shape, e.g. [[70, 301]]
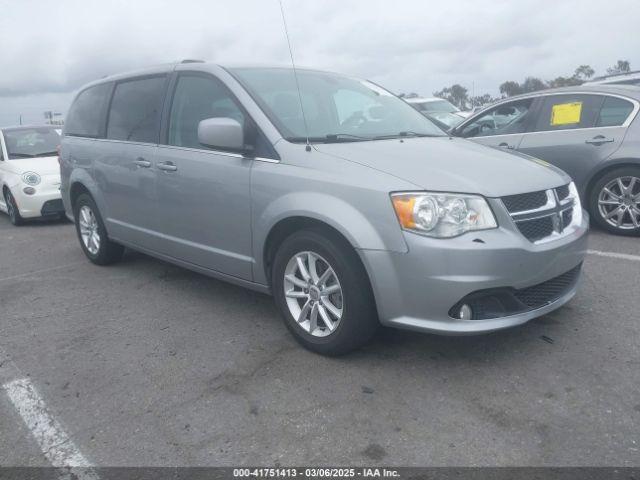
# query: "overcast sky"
[[50, 48]]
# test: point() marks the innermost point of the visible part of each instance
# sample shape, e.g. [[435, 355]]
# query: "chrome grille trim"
[[559, 209]]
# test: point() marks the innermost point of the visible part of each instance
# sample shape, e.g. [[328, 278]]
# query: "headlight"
[[31, 178], [442, 215]]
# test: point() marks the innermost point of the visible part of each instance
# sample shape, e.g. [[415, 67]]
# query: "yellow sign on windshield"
[[566, 113]]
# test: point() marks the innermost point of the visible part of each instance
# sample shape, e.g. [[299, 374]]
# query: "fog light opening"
[[465, 313], [29, 190]]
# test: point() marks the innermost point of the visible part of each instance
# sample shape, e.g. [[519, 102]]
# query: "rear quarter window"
[[86, 115], [614, 112]]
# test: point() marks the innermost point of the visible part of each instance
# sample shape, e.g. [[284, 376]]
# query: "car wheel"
[[323, 293], [12, 209], [93, 235], [615, 201]]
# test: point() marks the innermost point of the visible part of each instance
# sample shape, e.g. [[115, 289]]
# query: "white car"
[[30, 173], [442, 112]]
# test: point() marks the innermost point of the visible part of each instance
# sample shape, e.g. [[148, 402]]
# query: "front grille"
[[536, 229], [503, 302], [538, 215], [563, 192], [525, 201], [567, 216]]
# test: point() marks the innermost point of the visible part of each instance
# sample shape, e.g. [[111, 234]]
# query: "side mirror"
[[222, 132]]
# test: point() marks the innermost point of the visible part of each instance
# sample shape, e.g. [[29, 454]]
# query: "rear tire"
[[12, 209], [614, 201], [329, 308], [92, 233]]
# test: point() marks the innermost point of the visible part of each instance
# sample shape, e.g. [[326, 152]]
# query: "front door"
[[203, 195], [501, 126]]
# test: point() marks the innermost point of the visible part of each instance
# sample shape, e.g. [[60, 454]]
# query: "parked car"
[[629, 78], [440, 111], [591, 132], [29, 172], [349, 219]]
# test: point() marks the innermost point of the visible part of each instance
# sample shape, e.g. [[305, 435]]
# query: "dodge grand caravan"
[[342, 201]]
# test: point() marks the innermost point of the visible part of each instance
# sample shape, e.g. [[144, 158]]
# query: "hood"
[[41, 165], [452, 165]]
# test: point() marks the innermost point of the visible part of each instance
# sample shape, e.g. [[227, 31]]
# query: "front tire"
[[323, 293], [614, 201], [12, 209], [92, 233]]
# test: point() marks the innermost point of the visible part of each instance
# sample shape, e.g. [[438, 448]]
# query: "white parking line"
[[51, 437], [38, 272], [620, 256]]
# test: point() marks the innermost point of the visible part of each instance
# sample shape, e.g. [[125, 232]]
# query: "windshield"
[[336, 108], [436, 106], [31, 142]]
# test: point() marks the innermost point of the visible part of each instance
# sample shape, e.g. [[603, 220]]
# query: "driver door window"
[[197, 98], [507, 119]]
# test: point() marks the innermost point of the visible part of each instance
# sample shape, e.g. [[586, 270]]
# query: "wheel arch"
[[288, 226], [603, 170]]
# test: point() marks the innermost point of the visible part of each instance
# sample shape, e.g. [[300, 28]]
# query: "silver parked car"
[[352, 211], [591, 132]]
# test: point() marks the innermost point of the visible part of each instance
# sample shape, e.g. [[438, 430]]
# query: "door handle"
[[599, 140], [506, 145], [167, 167], [141, 162]]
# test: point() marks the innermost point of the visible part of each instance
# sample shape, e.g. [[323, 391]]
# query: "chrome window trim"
[[189, 149]]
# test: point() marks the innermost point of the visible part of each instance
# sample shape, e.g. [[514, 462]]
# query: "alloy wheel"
[[89, 230], [313, 293], [619, 203]]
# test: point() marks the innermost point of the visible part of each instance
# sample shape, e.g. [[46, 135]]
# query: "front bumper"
[[417, 290], [47, 200]]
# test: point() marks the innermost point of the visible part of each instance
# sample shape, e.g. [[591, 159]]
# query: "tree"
[[564, 82], [622, 66], [583, 72], [510, 88], [480, 100], [533, 84], [456, 94]]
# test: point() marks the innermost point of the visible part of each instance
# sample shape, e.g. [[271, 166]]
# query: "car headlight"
[[31, 178], [442, 215]]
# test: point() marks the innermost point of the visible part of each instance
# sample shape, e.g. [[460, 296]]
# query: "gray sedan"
[[591, 132]]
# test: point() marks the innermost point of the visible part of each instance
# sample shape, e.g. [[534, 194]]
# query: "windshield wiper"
[[408, 133], [330, 138], [46, 154], [346, 137], [21, 155]]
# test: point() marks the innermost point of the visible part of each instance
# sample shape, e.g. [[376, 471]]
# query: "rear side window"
[[86, 115], [135, 110], [568, 112], [614, 112]]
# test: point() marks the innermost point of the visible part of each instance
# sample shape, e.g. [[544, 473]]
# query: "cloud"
[[406, 45]]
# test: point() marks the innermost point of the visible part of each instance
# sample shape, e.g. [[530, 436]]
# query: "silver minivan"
[[326, 191]]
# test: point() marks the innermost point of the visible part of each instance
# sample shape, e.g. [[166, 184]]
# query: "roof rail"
[[189, 60]]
